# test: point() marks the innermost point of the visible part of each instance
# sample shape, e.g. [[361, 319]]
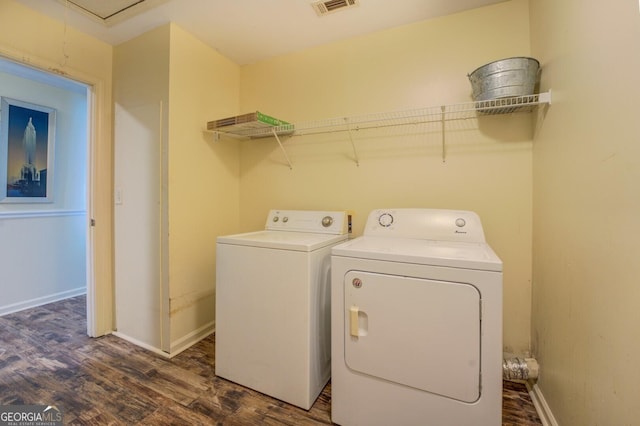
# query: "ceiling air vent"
[[325, 7]]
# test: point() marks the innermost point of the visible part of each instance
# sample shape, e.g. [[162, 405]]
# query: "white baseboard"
[[544, 412], [178, 346], [39, 301], [141, 344], [192, 338]]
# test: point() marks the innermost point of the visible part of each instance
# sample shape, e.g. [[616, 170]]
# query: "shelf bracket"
[[275, 134], [215, 134], [353, 145]]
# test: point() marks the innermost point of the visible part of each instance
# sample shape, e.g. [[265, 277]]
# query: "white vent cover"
[[324, 7]]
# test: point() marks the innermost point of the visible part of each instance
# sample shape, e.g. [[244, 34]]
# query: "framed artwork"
[[27, 147]]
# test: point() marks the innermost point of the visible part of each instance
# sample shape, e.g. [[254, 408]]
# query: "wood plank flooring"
[[47, 358]]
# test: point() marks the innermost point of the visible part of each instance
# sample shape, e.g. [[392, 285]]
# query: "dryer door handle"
[[353, 321]]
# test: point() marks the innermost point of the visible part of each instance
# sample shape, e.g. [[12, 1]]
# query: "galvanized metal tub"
[[504, 78]]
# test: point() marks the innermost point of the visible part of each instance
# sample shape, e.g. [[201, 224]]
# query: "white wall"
[[43, 245]]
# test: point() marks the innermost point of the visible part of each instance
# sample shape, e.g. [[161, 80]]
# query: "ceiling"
[[245, 31]]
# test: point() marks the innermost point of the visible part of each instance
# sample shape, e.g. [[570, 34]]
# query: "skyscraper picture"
[[26, 138]]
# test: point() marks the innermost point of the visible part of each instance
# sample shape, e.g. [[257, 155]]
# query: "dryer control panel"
[[323, 222], [426, 224]]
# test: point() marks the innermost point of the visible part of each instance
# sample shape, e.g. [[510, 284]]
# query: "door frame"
[[99, 223]]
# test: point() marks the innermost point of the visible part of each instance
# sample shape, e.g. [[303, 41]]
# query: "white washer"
[[273, 326], [417, 322]]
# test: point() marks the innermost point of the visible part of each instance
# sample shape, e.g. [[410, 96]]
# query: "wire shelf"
[[462, 111], [420, 116]]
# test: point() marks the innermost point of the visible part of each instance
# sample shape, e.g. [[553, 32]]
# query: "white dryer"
[[417, 322], [273, 325]]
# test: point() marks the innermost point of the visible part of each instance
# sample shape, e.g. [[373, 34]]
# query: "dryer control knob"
[[327, 221], [460, 222], [285, 219], [385, 219], [276, 218]]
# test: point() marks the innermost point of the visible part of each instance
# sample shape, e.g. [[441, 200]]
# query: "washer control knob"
[[357, 282], [276, 218], [327, 221], [285, 219], [385, 219], [460, 222]]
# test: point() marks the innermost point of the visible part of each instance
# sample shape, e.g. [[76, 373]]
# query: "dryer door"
[[416, 332]]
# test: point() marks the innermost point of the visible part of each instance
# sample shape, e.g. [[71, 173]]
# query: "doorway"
[[46, 242]]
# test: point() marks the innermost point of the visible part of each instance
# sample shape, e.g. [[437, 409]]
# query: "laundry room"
[[554, 186]]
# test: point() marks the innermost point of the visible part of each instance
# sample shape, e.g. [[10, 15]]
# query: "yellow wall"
[[44, 43], [203, 176], [585, 167], [168, 73], [488, 161], [586, 297]]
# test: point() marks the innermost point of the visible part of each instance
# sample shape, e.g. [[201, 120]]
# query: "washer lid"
[[425, 252], [284, 240]]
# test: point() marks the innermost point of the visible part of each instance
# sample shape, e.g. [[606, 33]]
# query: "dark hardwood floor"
[[47, 358]]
